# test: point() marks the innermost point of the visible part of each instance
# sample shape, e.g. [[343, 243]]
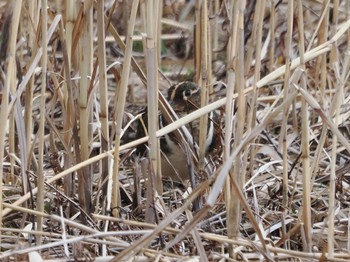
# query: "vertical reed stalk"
[[322, 60], [86, 57], [304, 109], [332, 179], [214, 31], [305, 139], [28, 111], [12, 150], [15, 11], [123, 88], [257, 39], [283, 133], [67, 103], [306, 175], [41, 138], [197, 39], [233, 230], [203, 45], [273, 37], [231, 204], [101, 49], [323, 136], [103, 87], [159, 32], [335, 12], [231, 79], [338, 100], [152, 89], [346, 69], [70, 18]]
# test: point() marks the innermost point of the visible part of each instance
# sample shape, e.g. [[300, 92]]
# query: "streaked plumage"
[[184, 98]]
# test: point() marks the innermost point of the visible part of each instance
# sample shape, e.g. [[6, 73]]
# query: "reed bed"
[[75, 77]]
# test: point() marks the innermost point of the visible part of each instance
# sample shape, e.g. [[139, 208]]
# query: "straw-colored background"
[[75, 75]]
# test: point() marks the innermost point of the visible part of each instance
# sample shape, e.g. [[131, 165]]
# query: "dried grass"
[[73, 80]]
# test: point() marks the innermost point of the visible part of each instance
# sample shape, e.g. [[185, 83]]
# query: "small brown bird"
[[184, 98]]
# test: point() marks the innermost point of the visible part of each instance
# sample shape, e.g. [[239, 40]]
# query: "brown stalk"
[[81, 141], [231, 79], [204, 76], [103, 87], [120, 107], [283, 134], [9, 81], [257, 39], [151, 50]]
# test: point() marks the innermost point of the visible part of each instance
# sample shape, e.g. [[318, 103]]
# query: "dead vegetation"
[[75, 76]]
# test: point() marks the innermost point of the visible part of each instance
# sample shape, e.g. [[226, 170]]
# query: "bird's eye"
[[187, 93]]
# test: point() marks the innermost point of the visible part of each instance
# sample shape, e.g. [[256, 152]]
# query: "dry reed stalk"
[[82, 148], [12, 148], [121, 105], [151, 51], [257, 36], [337, 101], [272, 27], [235, 66], [15, 11], [332, 203], [304, 125], [305, 138], [69, 25], [103, 88], [159, 22], [214, 32], [197, 38], [287, 53], [66, 36], [322, 36], [229, 107], [14, 117], [204, 73], [256, 46], [240, 123], [32, 45], [41, 138], [334, 21]]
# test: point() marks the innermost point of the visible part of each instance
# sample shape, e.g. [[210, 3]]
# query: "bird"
[[184, 98]]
